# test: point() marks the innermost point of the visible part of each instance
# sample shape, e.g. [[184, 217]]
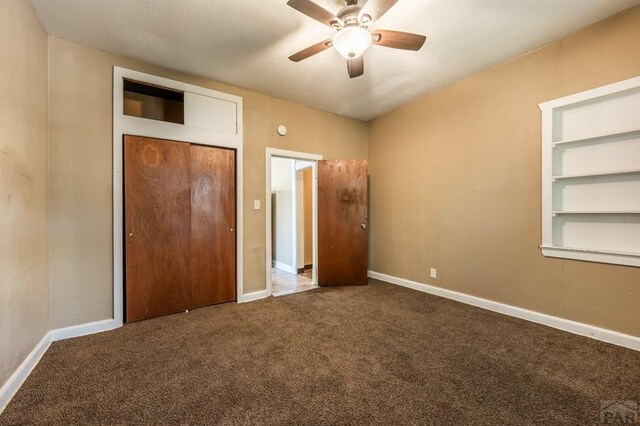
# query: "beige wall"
[[24, 291], [455, 183], [80, 81]]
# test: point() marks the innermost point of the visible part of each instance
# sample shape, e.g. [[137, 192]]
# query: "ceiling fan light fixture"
[[351, 42]]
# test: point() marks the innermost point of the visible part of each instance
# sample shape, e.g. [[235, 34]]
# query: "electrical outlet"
[[434, 273]]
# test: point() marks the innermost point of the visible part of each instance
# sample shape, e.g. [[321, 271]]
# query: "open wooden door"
[[342, 222]]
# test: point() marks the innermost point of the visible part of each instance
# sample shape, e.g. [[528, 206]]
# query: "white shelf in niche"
[[596, 175], [594, 212], [587, 250], [598, 138], [591, 206], [582, 250]]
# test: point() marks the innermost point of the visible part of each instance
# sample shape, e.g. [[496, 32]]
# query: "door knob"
[[363, 226], [131, 234]]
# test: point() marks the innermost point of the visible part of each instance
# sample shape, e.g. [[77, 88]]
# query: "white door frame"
[[293, 155]]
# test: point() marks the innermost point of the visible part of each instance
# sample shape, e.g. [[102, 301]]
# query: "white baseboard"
[[84, 329], [256, 295], [16, 380], [625, 340], [18, 377], [287, 268]]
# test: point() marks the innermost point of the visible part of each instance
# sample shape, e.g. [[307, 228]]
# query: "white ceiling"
[[247, 42]]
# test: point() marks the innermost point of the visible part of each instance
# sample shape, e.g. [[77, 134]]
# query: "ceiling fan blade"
[[314, 11], [355, 67], [398, 39], [310, 51], [376, 8]]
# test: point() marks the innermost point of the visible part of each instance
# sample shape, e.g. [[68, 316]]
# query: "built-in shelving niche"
[[591, 175], [144, 100]]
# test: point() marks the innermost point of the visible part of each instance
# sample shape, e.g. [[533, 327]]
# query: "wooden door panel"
[[342, 212], [213, 227], [157, 227]]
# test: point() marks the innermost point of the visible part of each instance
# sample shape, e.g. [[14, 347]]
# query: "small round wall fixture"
[[282, 130]]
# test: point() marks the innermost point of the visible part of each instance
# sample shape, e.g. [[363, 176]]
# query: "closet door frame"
[[128, 125]]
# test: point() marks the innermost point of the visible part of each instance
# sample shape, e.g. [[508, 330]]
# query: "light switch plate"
[[256, 204]]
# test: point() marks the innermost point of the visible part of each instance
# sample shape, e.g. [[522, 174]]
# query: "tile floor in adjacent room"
[[283, 283]]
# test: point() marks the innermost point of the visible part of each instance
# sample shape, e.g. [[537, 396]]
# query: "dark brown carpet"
[[379, 354]]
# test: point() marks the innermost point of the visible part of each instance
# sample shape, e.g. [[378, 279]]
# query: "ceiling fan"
[[353, 37]]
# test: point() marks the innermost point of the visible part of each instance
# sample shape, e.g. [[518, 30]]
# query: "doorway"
[[339, 219], [291, 222]]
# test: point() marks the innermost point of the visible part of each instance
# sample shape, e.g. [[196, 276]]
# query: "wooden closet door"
[[157, 227], [213, 225]]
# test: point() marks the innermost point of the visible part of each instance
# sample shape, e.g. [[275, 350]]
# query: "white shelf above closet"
[[591, 175]]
